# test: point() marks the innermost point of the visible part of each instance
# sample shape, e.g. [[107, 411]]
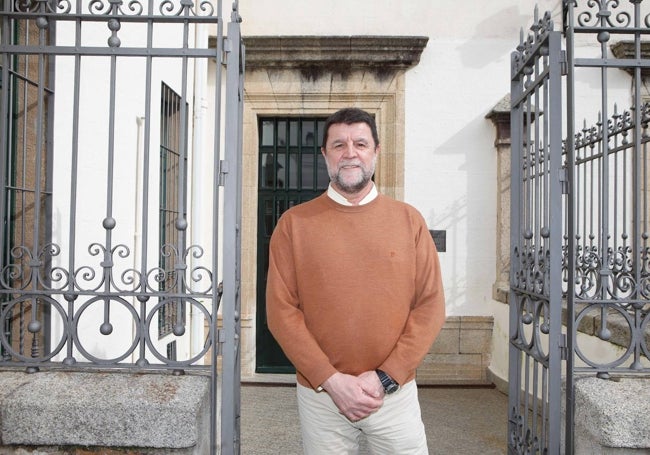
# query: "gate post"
[[231, 169]]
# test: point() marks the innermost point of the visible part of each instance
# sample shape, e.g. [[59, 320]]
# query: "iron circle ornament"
[[155, 311], [645, 323], [103, 329], [541, 329], [629, 349], [526, 319], [35, 328]]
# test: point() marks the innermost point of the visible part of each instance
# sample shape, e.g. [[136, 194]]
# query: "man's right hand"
[[353, 396]]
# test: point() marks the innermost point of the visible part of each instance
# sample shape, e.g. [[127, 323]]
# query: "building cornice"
[[334, 53], [626, 50]]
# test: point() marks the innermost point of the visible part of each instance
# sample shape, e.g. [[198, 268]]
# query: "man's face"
[[350, 154]]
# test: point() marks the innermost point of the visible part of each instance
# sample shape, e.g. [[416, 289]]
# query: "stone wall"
[[461, 354], [611, 416], [71, 413]]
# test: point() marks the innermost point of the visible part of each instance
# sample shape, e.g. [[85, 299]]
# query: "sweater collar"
[[340, 199]]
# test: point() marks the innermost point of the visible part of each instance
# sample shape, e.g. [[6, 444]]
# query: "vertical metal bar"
[[534, 396], [216, 219], [514, 368], [4, 131], [72, 244], [555, 243], [545, 416], [49, 183], [571, 212], [636, 189], [604, 183], [5, 326], [526, 400], [181, 220], [109, 222], [143, 287], [231, 242]]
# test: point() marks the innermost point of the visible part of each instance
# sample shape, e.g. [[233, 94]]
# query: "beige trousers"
[[396, 428]]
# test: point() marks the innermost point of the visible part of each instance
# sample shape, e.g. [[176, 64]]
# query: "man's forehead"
[[359, 129]]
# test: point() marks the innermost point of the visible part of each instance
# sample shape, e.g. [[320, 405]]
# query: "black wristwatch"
[[389, 384]]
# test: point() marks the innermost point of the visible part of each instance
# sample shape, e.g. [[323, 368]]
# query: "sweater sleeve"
[[284, 315], [427, 314]]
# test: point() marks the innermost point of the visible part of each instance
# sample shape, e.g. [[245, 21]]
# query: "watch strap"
[[387, 382]]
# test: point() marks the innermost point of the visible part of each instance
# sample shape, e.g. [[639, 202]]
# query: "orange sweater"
[[354, 288]]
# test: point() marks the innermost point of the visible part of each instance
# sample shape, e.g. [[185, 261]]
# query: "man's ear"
[[377, 149], [322, 150]]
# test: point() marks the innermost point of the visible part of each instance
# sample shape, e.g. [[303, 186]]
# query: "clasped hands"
[[356, 396]]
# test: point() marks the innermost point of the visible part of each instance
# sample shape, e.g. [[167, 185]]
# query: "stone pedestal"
[[611, 416], [62, 412]]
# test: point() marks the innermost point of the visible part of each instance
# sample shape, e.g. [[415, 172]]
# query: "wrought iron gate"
[[120, 177], [536, 243], [580, 223]]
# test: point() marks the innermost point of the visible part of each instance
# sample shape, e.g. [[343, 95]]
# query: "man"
[[355, 300]]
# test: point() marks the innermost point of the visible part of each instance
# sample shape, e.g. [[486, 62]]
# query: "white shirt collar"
[[339, 198]]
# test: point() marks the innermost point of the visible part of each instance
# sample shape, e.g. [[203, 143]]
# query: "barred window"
[[171, 146]]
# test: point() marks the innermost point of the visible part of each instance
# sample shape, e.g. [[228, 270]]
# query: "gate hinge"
[[564, 69], [564, 350], [221, 339], [223, 170], [563, 177], [227, 49]]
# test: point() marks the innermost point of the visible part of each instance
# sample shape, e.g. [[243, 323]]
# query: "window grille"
[[171, 145], [27, 180]]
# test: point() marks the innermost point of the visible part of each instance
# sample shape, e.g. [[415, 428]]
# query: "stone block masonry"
[[74, 413], [461, 353], [611, 416]]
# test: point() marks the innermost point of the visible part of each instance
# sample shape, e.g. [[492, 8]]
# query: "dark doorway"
[[291, 171]]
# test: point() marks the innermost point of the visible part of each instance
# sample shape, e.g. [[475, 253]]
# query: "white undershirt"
[[339, 198]]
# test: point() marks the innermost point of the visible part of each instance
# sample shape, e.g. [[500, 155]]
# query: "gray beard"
[[353, 188]]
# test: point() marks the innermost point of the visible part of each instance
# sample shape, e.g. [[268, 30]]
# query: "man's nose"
[[350, 149]]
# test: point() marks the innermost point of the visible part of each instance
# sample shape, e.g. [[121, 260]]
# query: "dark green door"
[[291, 170]]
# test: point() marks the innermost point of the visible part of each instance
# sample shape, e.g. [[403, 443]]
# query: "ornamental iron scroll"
[[529, 43], [116, 13], [164, 8], [611, 273], [189, 277]]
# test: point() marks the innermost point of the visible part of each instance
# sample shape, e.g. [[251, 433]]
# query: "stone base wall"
[[611, 416], [461, 353], [73, 413]]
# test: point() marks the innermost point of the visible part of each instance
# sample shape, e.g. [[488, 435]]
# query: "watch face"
[[392, 387]]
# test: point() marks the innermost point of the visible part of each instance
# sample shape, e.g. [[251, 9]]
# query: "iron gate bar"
[[63, 289], [231, 169]]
